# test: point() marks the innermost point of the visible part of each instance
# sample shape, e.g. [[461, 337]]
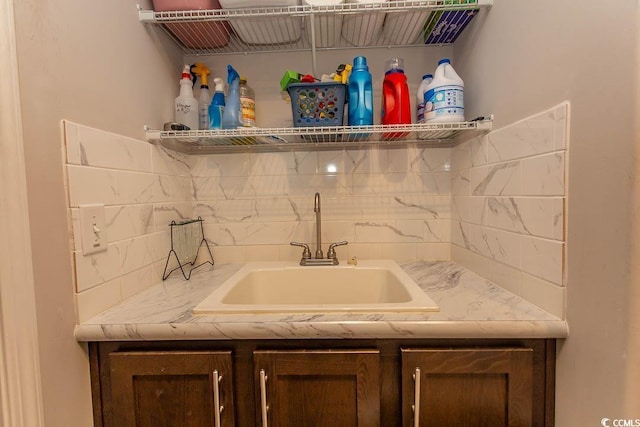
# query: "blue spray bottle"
[[231, 114], [217, 105]]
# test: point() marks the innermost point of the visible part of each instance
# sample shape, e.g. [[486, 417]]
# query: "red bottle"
[[396, 104]]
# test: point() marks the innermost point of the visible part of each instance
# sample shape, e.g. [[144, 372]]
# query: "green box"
[[288, 78]]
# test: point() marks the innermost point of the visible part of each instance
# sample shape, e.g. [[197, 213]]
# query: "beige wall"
[[633, 351], [93, 63], [528, 55]]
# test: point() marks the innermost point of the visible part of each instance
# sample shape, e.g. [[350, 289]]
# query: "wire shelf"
[[301, 138], [300, 28]]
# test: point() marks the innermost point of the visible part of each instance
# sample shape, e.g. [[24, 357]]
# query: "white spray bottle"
[[186, 105], [201, 70]]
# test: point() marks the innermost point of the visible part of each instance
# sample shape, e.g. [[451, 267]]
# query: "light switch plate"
[[93, 229]]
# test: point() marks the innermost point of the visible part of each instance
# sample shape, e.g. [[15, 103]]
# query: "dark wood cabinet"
[[157, 389], [468, 387], [318, 388], [352, 382]]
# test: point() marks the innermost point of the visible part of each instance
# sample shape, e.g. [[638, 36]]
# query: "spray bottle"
[[217, 105], [231, 113], [201, 70], [186, 105]]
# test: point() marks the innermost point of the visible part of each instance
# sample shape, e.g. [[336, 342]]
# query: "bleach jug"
[[422, 88], [360, 94], [396, 105], [444, 97]]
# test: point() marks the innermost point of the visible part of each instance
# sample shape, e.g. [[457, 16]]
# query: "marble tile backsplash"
[[494, 204], [508, 197], [386, 203], [142, 188], [391, 203]]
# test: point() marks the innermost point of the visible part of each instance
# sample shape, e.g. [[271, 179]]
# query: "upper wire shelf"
[[314, 138], [302, 28]]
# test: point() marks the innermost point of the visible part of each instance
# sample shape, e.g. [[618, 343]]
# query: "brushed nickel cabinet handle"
[[263, 397], [416, 398], [217, 408]]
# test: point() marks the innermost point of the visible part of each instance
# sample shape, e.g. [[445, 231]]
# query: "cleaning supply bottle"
[[204, 100], [186, 105], [396, 105], [422, 88], [217, 105], [444, 97], [231, 113], [247, 104], [360, 94]]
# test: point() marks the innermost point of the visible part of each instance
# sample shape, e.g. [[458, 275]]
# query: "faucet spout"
[[316, 209]]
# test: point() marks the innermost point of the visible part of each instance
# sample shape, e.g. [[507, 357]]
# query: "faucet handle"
[[306, 252], [331, 253]]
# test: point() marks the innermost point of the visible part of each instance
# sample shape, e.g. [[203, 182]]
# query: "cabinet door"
[[318, 388], [171, 389], [467, 387]]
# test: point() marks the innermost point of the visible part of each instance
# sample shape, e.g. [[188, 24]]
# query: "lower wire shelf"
[[318, 138]]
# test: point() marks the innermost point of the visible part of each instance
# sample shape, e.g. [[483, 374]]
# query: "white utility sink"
[[286, 287]]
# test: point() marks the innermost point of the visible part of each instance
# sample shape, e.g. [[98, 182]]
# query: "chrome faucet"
[[332, 258], [316, 209]]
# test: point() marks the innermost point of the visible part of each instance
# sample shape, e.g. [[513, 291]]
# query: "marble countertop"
[[470, 307]]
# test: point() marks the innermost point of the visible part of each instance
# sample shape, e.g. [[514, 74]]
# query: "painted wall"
[[76, 61], [528, 55]]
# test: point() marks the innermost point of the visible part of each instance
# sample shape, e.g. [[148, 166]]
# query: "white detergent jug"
[[444, 96]]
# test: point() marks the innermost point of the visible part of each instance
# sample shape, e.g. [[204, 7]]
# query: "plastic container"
[[231, 113], [265, 30], [360, 94], [405, 28], [196, 35], [444, 96], [422, 88], [396, 103], [247, 104], [444, 27], [317, 104], [327, 27], [204, 98], [363, 29], [216, 108], [186, 105]]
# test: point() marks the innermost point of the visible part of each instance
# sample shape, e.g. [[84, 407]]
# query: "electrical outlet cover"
[[93, 229]]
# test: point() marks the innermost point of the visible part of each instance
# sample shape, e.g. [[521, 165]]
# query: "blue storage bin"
[[317, 104]]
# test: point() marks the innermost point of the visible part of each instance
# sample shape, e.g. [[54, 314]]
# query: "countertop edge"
[[505, 329]]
